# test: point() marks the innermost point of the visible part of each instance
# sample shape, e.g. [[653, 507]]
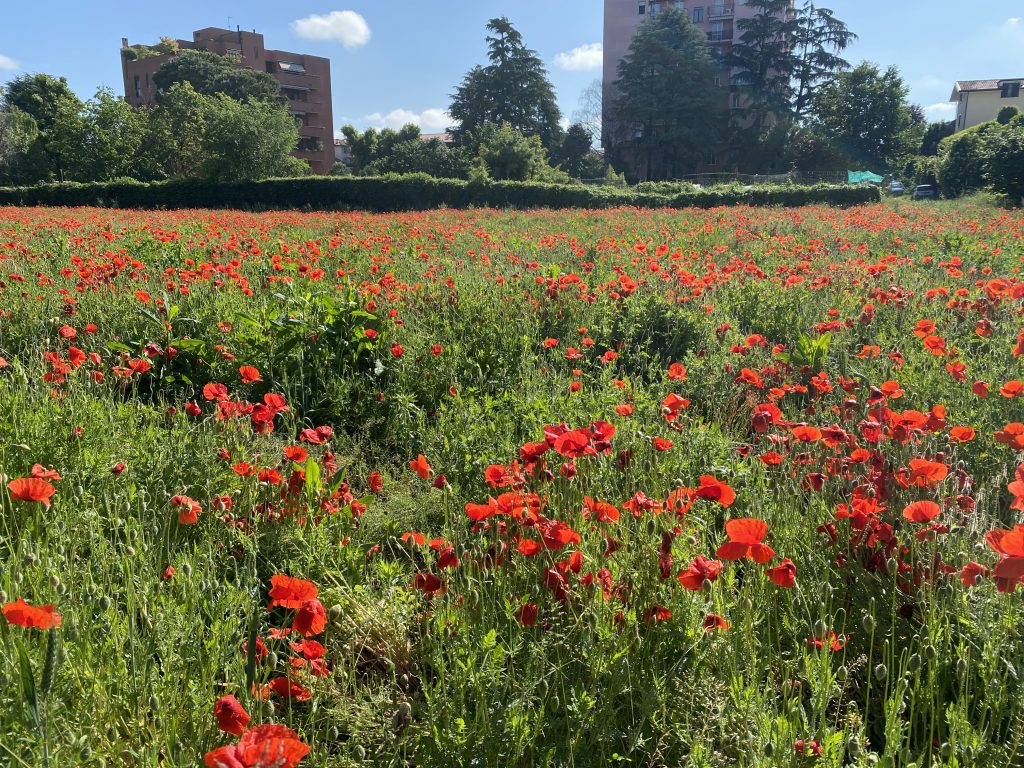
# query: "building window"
[[643, 10], [270, 67], [138, 88], [655, 7], [1010, 91], [698, 15], [295, 69], [735, 101]]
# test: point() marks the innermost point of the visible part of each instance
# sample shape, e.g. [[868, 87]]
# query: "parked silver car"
[[925, 192], [896, 188]]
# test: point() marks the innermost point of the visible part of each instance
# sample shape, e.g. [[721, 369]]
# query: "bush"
[[1003, 161], [960, 160], [412, 192]]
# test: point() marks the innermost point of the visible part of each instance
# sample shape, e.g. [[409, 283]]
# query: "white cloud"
[[6, 62], [940, 112], [346, 27], [589, 56], [429, 120]]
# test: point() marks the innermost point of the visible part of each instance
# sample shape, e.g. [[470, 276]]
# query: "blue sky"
[[399, 60]]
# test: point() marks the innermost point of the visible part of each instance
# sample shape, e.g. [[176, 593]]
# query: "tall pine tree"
[[666, 117], [512, 89]]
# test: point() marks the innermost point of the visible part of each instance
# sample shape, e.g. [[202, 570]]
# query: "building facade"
[[305, 82], [717, 19], [978, 101]]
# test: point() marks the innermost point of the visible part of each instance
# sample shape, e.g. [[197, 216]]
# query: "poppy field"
[[739, 486]]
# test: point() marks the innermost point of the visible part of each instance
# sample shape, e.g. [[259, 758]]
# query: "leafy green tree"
[[933, 134], [175, 143], [761, 60], [513, 88], [103, 141], [433, 157], [818, 37], [48, 101], [864, 113], [18, 133], [668, 110], [510, 154], [815, 157], [210, 74], [1003, 160], [249, 140], [572, 154]]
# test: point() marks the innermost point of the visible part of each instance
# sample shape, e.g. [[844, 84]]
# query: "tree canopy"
[[513, 88], [211, 74], [865, 114], [667, 113]]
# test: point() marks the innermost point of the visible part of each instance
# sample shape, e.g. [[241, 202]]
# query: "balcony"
[[720, 35], [721, 12]]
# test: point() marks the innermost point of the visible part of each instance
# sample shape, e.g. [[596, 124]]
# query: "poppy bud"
[[842, 673], [961, 667], [867, 622], [930, 653], [914, 662], [881, 672], [334, 612], [104, 603]]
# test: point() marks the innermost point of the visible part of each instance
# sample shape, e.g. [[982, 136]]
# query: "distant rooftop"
[[984, 85]]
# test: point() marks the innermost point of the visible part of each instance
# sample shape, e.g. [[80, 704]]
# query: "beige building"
[[978, 101], [305, 82]]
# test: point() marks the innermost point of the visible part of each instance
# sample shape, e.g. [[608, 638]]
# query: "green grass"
[[928, 669]]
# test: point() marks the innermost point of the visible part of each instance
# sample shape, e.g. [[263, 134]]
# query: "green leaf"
[[28, 681], [313, 484]]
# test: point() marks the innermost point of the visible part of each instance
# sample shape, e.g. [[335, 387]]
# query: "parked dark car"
[[896, 188], [925, 192]]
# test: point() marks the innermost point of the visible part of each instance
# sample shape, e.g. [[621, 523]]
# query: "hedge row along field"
[[417, 192], [577, 488]]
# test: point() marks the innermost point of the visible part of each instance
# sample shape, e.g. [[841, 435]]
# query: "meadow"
[[739, 486]]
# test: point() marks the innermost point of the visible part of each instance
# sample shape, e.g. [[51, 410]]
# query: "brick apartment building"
[[716, 18], [305, 81]]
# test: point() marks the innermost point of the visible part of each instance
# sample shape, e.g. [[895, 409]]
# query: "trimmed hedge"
[[415, 192]]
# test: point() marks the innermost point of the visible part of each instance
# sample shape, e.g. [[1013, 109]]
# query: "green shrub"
[[412, 192]]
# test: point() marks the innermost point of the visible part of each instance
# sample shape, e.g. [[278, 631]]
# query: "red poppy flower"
[[784, 574], [806, 434], [771, 459], [662, 444], [1012, 435], [970, 574], [961, 434], [1009, 571], [527, 614], [698, 571], [296, 453], [428, 584], [24, 615], [714, 622], [831, 640], [745, 541], [625, 409], [1012, 389], [188, 509], [289, 592], [574, 443], [601, 511], [288, 689], [249, 374], [311, 618], [921, 511], [31, 489], [715, 490], [925, 473], [214, 391], [420, 466], [231, 715], [677, 372], [657, 613]]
